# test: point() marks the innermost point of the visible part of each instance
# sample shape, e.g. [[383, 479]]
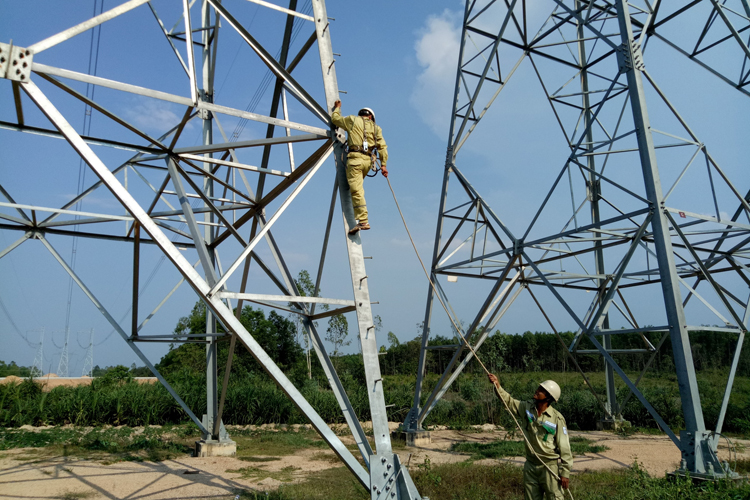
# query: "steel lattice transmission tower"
[[213, 207], [37, 368], [62, 366], [636, 212], [88, 362]]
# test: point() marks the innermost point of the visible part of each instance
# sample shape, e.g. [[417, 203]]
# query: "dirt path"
[[206, 478], [656, 454]]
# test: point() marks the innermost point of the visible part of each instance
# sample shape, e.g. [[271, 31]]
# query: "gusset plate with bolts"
[[15, 62], [389, 480]]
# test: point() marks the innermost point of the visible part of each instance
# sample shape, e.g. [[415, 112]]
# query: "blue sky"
[[399, 61]]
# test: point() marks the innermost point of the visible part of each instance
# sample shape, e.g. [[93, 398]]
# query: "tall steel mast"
[[211, 205], [588, 57]]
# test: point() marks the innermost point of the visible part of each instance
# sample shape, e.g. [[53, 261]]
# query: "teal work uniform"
[[359, 164], [548, 435]]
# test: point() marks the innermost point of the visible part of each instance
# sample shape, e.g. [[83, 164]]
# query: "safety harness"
[[365, 149]]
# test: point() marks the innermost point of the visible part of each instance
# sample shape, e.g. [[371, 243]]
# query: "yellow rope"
[[466, 342]]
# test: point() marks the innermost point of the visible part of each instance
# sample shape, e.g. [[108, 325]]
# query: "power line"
[[13, 323], [19, 287], [86, 130], [265, 82]]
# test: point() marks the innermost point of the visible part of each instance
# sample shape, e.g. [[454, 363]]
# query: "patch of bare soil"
[[23, 477]]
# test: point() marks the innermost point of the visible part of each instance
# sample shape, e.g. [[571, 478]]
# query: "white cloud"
[[437, 52], [153, 116]]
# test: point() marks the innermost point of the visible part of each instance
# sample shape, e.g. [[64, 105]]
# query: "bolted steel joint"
[[205, 114], [15, 62], [629, 57]]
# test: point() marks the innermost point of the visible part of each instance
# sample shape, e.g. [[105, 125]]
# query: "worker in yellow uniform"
[[364, 137], [547, 432]]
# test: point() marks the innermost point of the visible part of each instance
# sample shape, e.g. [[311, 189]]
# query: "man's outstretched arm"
[[512, 403]]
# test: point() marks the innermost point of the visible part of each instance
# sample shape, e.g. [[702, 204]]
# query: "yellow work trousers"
[[539, 484], [357, 168]]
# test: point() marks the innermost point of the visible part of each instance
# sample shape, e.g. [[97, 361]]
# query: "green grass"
[[260, 459], [285, 475], [469, 481], [329, 484], [580, 445], [269, 443], [253, 399], [743, 466], [152, 444], [506, 448]]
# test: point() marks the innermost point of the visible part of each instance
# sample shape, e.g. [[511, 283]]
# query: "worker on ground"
[[547, 432], [365, 141]]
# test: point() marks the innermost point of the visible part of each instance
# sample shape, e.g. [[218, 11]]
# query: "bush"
[[255, 399]]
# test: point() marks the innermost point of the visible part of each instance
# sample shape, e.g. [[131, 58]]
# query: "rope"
[[466, 342]]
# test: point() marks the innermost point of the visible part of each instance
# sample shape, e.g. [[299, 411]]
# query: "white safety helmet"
[[552, 388], [372, 113]]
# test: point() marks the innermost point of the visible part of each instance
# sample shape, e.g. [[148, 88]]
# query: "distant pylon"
[[36, 368], [62, 367], [88, 363]]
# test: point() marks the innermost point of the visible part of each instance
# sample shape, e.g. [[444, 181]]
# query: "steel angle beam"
[[313, 162], [176, 99]]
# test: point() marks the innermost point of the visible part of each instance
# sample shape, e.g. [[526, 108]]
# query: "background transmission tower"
[[88, 362], [37, 369], [62, 366], [640, 235]]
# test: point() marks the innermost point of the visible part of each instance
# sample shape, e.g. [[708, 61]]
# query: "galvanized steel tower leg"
[[697, 453], [212, 347], [388, 479], [594, 194]]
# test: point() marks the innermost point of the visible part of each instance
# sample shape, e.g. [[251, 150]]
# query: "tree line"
[[254, 398], [543, 351], [284, 340]]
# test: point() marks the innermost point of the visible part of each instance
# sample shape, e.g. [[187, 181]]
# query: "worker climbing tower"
[[628, 226], [170, 184]]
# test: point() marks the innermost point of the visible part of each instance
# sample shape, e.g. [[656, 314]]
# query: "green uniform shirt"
[[547, 433], [354, 126]]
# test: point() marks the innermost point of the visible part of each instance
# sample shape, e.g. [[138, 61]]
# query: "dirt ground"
[[73, 478]]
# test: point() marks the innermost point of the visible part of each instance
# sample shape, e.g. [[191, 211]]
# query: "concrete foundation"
[[210, 448], [412, 438]]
